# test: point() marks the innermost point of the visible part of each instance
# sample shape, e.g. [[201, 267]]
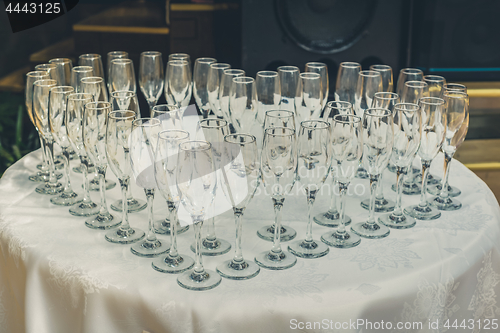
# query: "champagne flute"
[[331, 217], [241, 178], [143, 143], [289, 79], [167, 153], [51, 69], [58, 99], [279, 172], [322, 70], [309, 97], [347, 82], [347, 148], [454, 86], [74, 122], [386, 74], [41, 91], [110, 57], [151, 77], [63, 70], [378, 139], [433, 133], [180, 56], [435, 85], [118, 131], [226, 81], [407, 131], [407, 74], [215, 73], [122, 75], [95, 118], [77, 74], [200, 84], [267, 93], [94, 60], [178, 87], [196, 183], [457, 123], [243, 107], [314, 161]]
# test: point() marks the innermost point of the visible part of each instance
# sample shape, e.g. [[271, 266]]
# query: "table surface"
[[57, 275]]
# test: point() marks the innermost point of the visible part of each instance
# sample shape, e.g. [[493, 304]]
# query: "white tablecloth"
[[56, 275]]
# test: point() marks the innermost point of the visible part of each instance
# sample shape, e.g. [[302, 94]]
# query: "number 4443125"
[[34, 8], [485, 324]]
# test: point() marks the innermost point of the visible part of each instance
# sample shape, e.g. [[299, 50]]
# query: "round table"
[[57, 275]]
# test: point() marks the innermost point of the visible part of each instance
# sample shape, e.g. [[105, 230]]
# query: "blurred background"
[[453, 38]]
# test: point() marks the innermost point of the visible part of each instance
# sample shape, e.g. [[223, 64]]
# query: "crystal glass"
[[41, 91], [118, 131], [435, 85], [143, 143], [313, 167], [77, 74], [347, 148], [378, 138], [454, 86], [110, 57], [433, 133], [196, 182], [457, 124], [51, 69], [74, 122], [169, 115], [151, 77], [243, 108], [200, 84], [122, 76], [63, 70], [384, 100], [369, 83], [279, 172], [322, 70], [407, 74], [226, 81], [180, 56], [178, 87], [240, 180], [331, 217], [167, 153], [308, 98], [215, 73], [267, 93], [95, 119], [347, 81], [289, 79], [386, 74], [407, 131], [94, 85], [213, 130], [94, 60], [58, 99], [278, 118], [31, 77]]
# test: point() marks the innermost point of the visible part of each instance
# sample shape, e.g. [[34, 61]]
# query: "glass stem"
[[311, 196], [238, 217], [124, 183], [198, 264], [211, 228], [423, 194], [409, 173], [150, 195], [45, 165], [101, 171], [342, 192], [173, 229], [379, 195], [50, 157], [373, 189], [85, 171], [67, 186], [278, 205], [448, 156], [333, 199], [399, 191]]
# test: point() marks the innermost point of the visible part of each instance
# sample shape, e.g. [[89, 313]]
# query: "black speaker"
[[457, 39], [294, 32]]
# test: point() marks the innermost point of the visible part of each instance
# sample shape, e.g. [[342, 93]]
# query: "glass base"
[[58, 163], [243, 270], [49, 189], [127, 236], [272, 260], [173, 265], [163, 227], [94, 184], [422, 213], [85, 209], [309, 250], [267, 233], [212, 248], [150, 249], [408, 188], [436, 189], [193, 281], [361, 173], [445, 203], [103, 222], [431, 180], [381, 205], [331, 219], [341, 240], [366, 230], [66, 199], [134, 205], [397, 222], [42, 177]]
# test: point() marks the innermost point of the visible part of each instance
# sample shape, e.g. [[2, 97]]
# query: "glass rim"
[[288, 68], [266, 74], [60, 61], [455, 93], [158, 106], [228, 71], [179, 55], [383, 95], [455, 86], [432, 101], [399, 106], [243, 79], [151, 53], [62, 89], [270, 113], [45, 65], [45, 83], [350, 64], [220, 65], [434, 78], [37, 74], [92, 79], [146, 122], [162, 134], [90, 56], [309, 75], [369, 73], [80, 69], [204, 123], [98, 106], [129, 114], [380, 67], [410, 70], [344, 105], [316, 64], [121, 61], [177, 62], [239, 135], [416, 84], [353, 119], [205, 60], [268, 131], [208, 145], [119, 53], [305, 124], [368, 112], [79, 96], [127, 92]]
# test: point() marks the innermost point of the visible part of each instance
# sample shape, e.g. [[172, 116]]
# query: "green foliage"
[[17, 135]]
